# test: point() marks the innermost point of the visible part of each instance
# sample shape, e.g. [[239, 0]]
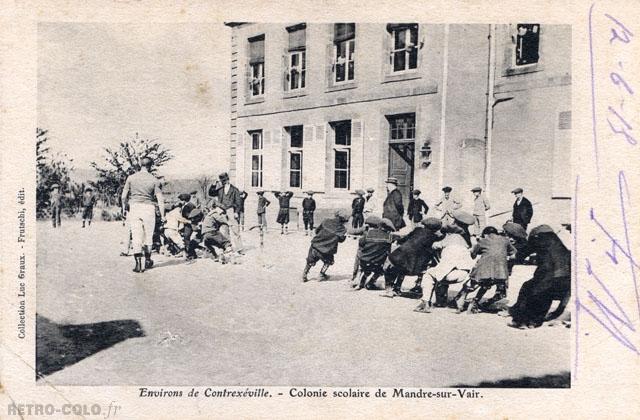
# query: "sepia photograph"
[[308, 204]]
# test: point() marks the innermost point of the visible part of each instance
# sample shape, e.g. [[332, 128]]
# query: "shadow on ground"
[[562, 380], [59, 346]]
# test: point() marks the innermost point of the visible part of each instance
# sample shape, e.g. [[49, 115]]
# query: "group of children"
[[446, 254], [87, 202]]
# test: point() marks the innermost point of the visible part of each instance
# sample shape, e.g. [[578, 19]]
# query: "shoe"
[[324, 276], [305, 279], [124, 254], [423, 307], [370, 286], [473, 308], [416, 289]]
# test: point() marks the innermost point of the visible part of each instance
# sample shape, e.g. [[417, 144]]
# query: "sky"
[[100, 83]]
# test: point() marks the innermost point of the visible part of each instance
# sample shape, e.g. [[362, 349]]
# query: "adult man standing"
[[522, 209], [55, 201], [447, 205], [230, 201], [480, 206], [393, 209], [140, 192]]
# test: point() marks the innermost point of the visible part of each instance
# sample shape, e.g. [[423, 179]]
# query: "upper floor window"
[[527, 44], [296, 142], [256, 64], [344, 45], [403, 55], [297, 57]]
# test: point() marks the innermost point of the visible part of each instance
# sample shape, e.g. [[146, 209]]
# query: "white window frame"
[[259, 154], [301, 69], [349, 52], [406, 49], [259, 80], [297, 151], [342, 148]]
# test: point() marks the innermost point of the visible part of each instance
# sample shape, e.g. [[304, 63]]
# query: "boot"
[[305, 272], [397, 287], [323, 272], [371, 284], [363, 278], [417, 288], [139, 268], [83, 223], [148, 262]]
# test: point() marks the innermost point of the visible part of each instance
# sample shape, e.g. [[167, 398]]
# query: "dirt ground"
[[256, 323]]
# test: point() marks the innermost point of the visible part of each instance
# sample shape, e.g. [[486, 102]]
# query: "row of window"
[[403, 53], [402, 128]]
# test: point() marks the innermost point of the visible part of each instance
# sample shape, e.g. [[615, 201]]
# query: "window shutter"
[[285, 70], [320, 163], [357, 154], [310, 164], [267, 161]]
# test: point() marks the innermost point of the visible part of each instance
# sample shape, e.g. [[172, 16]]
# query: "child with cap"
[[243, 197], [357, 208], [263, 203], [175, 223], [370, 203], [308, 207], [324, 244], [88, 201], [373, 248], [284, 200], [413, 256], [490, 269], [416, 206], [480, 207], [447, 205]]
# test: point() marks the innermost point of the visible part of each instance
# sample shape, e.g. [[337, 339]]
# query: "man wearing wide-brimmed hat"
[[141, 190], [393, 209], [55, 202], [308, 208], [357, 208], [447, 205]]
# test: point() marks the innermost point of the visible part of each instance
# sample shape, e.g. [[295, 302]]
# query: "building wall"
[[525, 138]]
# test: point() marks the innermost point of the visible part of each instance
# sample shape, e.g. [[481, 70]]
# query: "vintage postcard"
[[403, 209]]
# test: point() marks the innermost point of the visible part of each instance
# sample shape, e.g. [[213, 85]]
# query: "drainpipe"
[[489, 107], [443, 105]]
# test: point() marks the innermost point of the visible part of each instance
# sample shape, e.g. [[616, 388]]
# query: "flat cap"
[[416, 192], [516, 190], [432, 223], [476, 189], [370, 190], [463, 216], [223, 176], [373, 221], [309, 192], [360, 192], [342, 214], [447, 189], [515, 230], [541, 229]]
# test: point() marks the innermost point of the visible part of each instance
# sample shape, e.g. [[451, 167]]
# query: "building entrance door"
[[401, 166]]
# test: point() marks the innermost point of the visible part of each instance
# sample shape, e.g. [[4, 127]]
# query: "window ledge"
[[392, 77], [345, 86], [254, 100], [531, 68], [294, 94]]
